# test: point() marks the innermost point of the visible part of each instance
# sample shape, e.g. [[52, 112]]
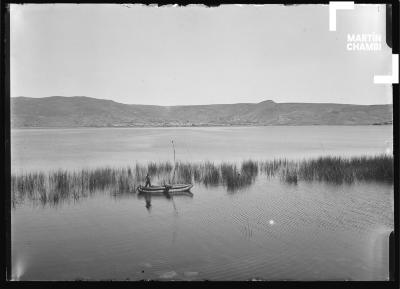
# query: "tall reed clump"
[[180, 173], [289, 173], [158, 169], [184, 173], [250, 169], [234, 178], [140, 172], [230, 176], [327, 169], [30, 185], [122, 182], [270, 168], [61, 185], [347, 170], [210, 174], [377, 168]]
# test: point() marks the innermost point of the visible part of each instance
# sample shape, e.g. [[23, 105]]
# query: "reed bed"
[[61, 185], [57, 186], [347, 170]]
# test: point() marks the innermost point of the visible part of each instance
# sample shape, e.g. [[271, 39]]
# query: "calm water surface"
[[34, 149], [271, 230]]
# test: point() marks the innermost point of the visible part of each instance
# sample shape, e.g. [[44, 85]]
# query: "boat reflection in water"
[[147, 196]]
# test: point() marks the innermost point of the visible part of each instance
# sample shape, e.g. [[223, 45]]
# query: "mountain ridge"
[[82, 111]]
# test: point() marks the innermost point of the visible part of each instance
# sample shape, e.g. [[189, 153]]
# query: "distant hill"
[[79, 111]]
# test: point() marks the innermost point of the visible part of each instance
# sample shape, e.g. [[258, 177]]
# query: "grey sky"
[[196, 55]]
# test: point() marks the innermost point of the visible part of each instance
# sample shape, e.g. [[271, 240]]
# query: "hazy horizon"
[[196, 55]]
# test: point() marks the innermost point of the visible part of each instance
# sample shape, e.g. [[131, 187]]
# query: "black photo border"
[[5, 175]]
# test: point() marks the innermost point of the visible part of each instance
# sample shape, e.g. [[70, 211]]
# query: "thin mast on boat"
[[173, 147]]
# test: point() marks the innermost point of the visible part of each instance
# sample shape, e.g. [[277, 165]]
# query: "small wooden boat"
[[167, 189]]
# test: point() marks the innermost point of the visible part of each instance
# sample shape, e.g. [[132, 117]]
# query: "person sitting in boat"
[[147, 181]]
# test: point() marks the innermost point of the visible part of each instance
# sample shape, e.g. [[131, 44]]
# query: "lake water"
[[43, 149], [270, 230]]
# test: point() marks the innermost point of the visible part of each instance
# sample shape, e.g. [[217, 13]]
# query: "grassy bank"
[[60, 185]]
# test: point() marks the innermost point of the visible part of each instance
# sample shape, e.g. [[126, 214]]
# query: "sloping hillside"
[[80, 111]]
